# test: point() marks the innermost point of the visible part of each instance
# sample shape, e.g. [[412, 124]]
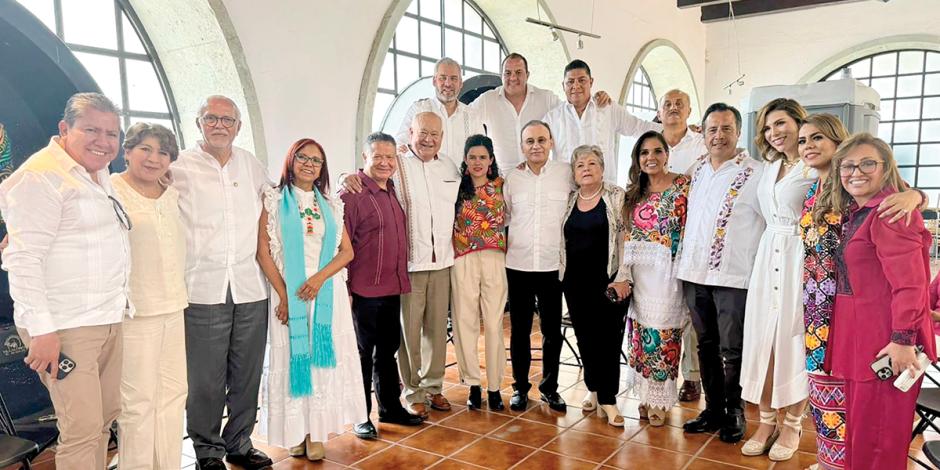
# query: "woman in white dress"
[[773, 370], [314, 381]]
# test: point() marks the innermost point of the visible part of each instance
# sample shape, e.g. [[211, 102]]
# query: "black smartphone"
[[66, 365], [612, 295]]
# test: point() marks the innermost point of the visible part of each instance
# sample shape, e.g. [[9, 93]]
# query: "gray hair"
[[375, 138], [583, 150], [205, 105], [447, 61], [535, 122], [77, 104], [142, 130]]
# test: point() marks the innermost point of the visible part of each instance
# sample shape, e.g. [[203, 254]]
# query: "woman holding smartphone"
[[881, 305]]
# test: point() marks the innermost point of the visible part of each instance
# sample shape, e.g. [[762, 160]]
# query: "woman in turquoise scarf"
[[314, 382]]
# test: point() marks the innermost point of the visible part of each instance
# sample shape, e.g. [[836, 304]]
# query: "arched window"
[[641, 102], [429, 30], [106, 38], [909, 84]]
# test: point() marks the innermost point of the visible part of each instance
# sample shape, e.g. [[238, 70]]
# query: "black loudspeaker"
[[26, 397]]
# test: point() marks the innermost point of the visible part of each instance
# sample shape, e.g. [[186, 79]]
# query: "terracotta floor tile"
[[678, 415], [439, 440], [400, 458], [542, 460], [643, 456], [450, 464], [301, 463], [584, 446], [348, 449], [478, 422], [731, 454], [808, 441], [527, 433], [704, 464], [396, 432], [800, 461], [436, 416], [543, 414], [494, 454], [592, 424], [670, 438]]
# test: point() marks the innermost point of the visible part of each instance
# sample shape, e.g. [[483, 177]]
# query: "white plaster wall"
[[785, 48]]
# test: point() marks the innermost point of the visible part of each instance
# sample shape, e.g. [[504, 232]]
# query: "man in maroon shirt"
[[378, 276]]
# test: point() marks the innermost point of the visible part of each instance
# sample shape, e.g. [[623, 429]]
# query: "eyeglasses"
[[303, 159], [121, 214], [867, 167], [211, 120]]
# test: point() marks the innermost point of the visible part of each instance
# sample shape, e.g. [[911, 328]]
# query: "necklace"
[[591, 196], [308, 215], [789, 163]]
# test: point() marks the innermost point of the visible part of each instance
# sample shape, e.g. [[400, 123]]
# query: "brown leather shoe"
[[438, 402], [690, 391], [419, 409]]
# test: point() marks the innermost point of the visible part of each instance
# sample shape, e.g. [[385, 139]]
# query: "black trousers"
[[718, 318], [598, 327], [524, 288], [378, 333]]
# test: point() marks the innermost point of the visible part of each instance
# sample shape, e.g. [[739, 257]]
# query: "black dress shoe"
[[494, 400], [475, 399], [555, 401], [519, 401], [210, 463], [365, 430], [733, 430], [254, 459], [706, 421], [404, 418]]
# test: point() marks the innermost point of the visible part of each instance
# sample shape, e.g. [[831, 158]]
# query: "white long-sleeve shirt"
[[220, 207], [536, 204], [457, 127], [69, 256], [596, 126], [504, 124], [724, 223], [686, 152], [427, 192]]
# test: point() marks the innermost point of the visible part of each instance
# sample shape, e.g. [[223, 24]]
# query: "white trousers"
[[478, 287], [153, 392]]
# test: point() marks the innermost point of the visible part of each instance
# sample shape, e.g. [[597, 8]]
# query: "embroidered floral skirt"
[[654, 359]]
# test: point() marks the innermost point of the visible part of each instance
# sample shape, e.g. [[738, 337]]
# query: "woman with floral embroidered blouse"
[[654, 214], [478, 277]]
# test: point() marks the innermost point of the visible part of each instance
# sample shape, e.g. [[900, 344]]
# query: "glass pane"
[[387, 77], [427, 68], [42, 9], [471, 19], [453, 45], [382, 102], [884, 131], [407, 71], [928, 177], [911, 62], [930, 131], [907, 109], [90, 23], [932, 84], [163, 122], [907, 174], [431, 9], [933, 61], [453, 11], [491, 59], [887, 110], [487, 31], [131, 41], [430, 40], [861, 69], [106, 73], [406, 35], [930, 154], [931, 108], [413, 8], [905, 154], [884, 86], [909, 86], [474, 56], [905, 132], [144, 92], [885, 64]]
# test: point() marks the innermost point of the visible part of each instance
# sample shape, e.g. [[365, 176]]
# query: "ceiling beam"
[[746, 8], [697, 3]]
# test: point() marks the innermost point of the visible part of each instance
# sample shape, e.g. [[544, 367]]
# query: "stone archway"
[[667, 68]]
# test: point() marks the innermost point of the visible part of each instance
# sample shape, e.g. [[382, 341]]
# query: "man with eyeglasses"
[[227, 319], [68, 261]]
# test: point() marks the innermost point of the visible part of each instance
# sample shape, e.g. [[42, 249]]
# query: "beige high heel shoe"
[[753, 448], [643, 411], [315, 450], [589, 402], [612, 413], [299, 450], [657, 416], [779, 453]]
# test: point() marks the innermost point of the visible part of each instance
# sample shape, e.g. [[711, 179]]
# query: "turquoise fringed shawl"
[[305, 354]]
